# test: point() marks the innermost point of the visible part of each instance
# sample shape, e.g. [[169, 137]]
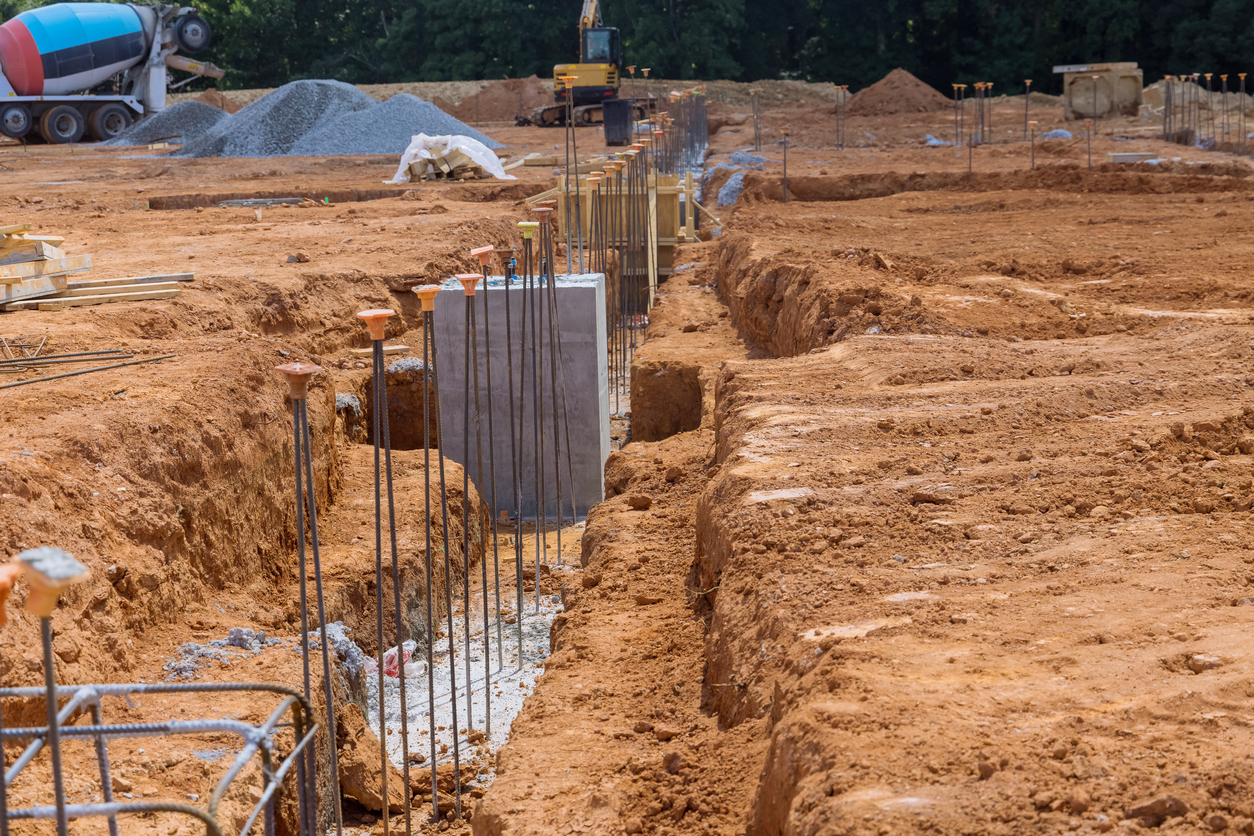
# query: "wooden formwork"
[[667, 207]]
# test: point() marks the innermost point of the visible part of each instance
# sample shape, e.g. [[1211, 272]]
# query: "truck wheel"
[[109, 120], [62, 125], [15, 120], [192, 34]]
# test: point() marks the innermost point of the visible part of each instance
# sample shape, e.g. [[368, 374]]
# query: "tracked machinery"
[[595, 80]]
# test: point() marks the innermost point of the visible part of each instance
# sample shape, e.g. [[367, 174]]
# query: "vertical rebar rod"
[[306, 764], [515, 439], [784, 130], [1027, 103], [468, 313], [398, 619], [448, 597], [427, 329], [483, 556], [537, 421], [957, 129], [102, 761], [4, 767], [312, 498], [54, 725], [380, 382], [496, 554], [1241, 115], [560, 383]]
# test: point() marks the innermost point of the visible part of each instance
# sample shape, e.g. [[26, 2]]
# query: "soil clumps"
[[897, 92], [500, 101]]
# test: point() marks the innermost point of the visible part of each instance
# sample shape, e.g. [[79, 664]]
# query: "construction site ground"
[[935, 516]]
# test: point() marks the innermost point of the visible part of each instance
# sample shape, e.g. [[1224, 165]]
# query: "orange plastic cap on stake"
[[484, 254], [645, 70], [469, 282], [426, 295], [376, 321], [50, 571], [528, 227], [298, 375]]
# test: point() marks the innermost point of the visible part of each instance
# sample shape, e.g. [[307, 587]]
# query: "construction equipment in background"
[[596, 78], [71, 69]]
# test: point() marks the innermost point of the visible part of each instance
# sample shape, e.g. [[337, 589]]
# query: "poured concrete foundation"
[[583, 377]]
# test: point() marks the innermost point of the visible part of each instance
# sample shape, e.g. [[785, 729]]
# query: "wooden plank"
[[31, 289], [96, 291], [15, 229], [130, 280], [387, 349], [81, 301], [540, 161], [15, 273]]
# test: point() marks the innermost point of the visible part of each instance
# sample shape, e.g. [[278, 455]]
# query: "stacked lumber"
[[34, 271], [453, 165], [34, 265], [104, 291], [19, 246]]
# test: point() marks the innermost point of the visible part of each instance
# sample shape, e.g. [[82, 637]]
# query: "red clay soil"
[[220, 101], [959, 542], [501, 101], [897, 92]]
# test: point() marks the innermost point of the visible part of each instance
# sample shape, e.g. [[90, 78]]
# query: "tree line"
[[265, 43]]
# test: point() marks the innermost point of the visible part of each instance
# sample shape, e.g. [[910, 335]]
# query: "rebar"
[[468, 298], [484, 254], [515, 440], [398, 617], [784, 131], [376, 321], [448, 601], [86, 371], [54, 725], [426, 297], [1027, 103], [298, 376]]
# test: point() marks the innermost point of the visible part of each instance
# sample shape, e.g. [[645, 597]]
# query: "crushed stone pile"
[[731, 190], [324, 118], [183, 122], [897, 92]]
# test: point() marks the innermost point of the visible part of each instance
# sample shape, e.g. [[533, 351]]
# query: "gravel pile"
[[183, 122], [324, 118], [731, 189], [386, 128], [406, 364]]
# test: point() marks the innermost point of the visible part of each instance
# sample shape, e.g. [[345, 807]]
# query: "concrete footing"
[[583, 376]]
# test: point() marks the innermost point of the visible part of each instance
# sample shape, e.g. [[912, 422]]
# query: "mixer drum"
[[70, 47]]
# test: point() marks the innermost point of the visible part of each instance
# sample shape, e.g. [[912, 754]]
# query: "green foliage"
[[264, 43]]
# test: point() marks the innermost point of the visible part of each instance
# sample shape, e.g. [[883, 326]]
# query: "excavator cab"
[[598, 71]]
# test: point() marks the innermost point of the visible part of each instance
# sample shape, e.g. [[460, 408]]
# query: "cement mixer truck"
[[93, 68]]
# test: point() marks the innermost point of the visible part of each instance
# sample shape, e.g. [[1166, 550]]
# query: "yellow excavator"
[[591, 82]]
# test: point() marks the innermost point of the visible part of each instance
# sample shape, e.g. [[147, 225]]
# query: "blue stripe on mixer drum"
[[87, 57], [67, 25]]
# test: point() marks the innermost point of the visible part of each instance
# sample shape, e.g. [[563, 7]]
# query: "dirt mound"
[[897, 92], [215, 99], [500, 101]]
